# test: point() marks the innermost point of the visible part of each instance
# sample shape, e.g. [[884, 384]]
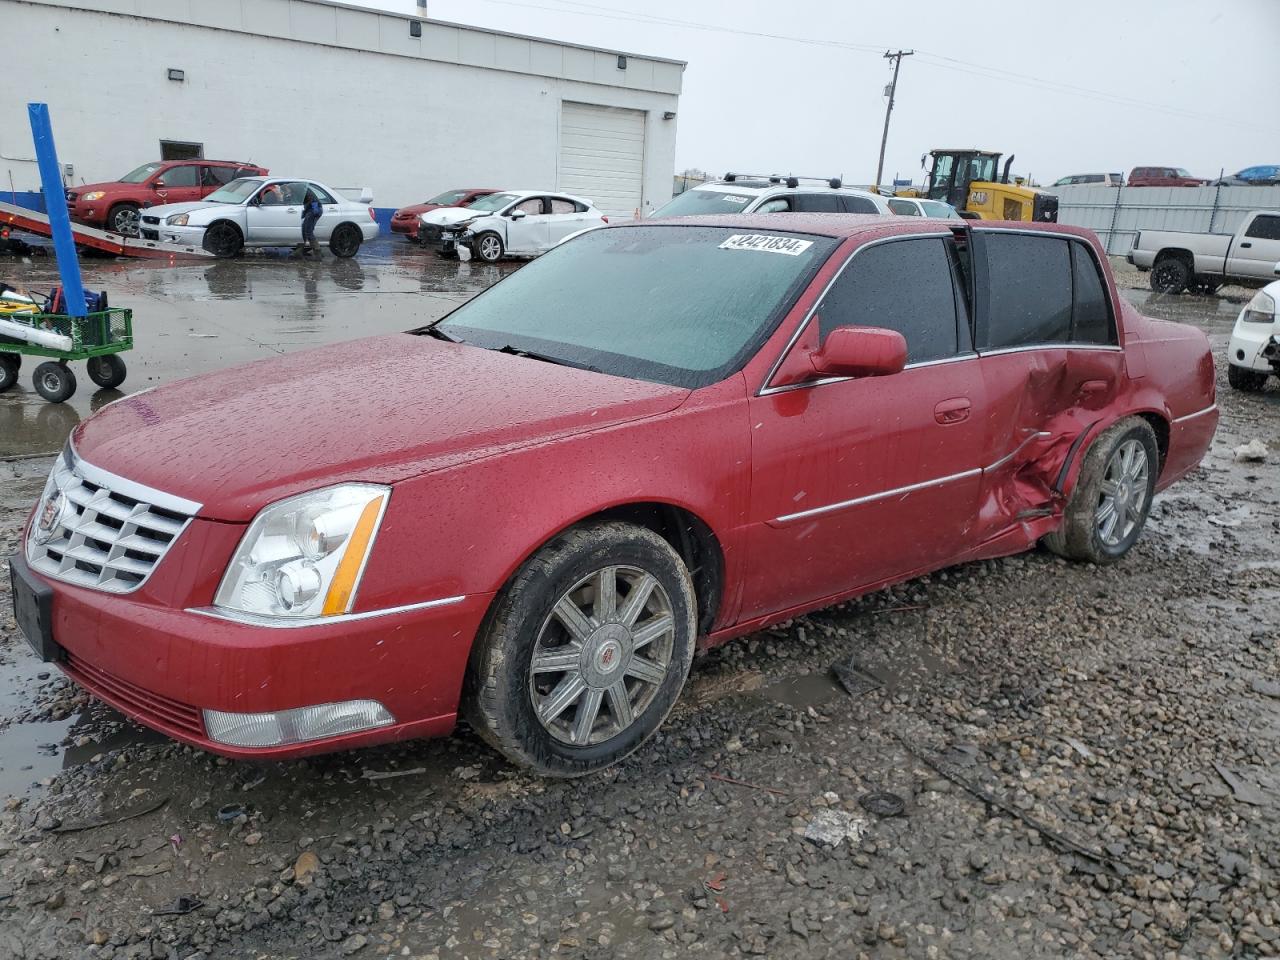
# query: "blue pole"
[[55, 202]]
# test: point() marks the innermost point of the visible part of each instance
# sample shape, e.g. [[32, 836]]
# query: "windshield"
[[237, 191], [691, 203], [493, 202], [447, 199], [934, 208], [678, 305], [1181, 172], [140, 174]]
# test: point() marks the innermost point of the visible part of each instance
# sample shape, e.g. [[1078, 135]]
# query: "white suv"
[[751, 194]]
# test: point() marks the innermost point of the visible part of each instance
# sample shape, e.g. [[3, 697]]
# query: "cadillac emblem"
[[49, 517]]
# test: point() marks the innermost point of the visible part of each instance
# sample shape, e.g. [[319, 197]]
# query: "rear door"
[[567, 216], [816, 203], [1046, 332], [857, 480], [1257, 250]]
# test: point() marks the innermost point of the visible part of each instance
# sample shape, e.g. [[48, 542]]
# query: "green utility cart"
[[97, 338]]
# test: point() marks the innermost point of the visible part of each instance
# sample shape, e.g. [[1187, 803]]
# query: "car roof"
[[844, 225], [761, 187], [547, 193], [212, 163]]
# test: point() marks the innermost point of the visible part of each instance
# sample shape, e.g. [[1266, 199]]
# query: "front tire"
[[54, 381], [107, 371], [488, 247], [1170, 275], [223, 240], [1112, 497], [1246, 381], [8, 371], [345, 240], [124, 219], [585, 652]]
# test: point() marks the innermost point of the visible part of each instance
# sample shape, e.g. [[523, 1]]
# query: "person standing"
[[311, 213]]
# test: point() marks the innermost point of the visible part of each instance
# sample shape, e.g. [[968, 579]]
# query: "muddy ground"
[[1086, 760]]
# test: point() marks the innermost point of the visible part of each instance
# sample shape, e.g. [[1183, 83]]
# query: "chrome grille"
[[97, 530]]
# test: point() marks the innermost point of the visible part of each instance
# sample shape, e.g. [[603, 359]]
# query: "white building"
[[350, 96]]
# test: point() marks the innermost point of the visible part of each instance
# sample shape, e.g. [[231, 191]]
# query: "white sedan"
[[1253, 352], [522, 223], [261, 212], [918, 207]]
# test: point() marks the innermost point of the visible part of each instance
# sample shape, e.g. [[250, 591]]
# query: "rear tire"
[[8, 372], [345, 240], [223, 240], [54, 381], [1112, 497], [585, 651], [107, 371], [124, 219], [1246, 381], [1170, 275]]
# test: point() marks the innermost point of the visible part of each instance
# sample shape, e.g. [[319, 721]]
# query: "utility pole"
[[893, 89]]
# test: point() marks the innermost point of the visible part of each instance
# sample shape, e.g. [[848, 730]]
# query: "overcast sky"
[[1079, 87]]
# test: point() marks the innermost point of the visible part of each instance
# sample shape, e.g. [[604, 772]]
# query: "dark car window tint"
[[1029, 291], [187, 176], [817, 203], [904, 285], [218, 176], [859, 205], [1264, 228], [1092, 317]]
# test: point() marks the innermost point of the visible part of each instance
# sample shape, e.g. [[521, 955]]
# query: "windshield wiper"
[[433, 330], [546, 358]]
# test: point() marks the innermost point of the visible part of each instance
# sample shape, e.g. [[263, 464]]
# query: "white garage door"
[[602, 156]]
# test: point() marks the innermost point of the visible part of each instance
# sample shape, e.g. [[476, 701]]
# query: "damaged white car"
[[522, 223], [1253, 352]]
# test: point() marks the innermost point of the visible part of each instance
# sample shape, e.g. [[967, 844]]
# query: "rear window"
[[817, 203], [904, 208], [858, 205], [1028, 291], [695, 202]]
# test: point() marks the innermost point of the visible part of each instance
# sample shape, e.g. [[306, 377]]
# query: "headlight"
[[1261, 309], [95, 195], [303, 557], [177, 220], [462, 224]]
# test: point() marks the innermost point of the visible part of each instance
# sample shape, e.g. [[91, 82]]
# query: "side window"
[[562, 206], [858, 205], [1092, 178], [1264, 228], [532, 206], [216, 176], [184, 176], [817, 203], [1028, 291], [904, 285], [903, 208], [776, 205], [321, 194], [1091, 314]]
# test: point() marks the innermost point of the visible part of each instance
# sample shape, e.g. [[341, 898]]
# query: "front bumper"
[[1247, 344], [163, 666], [164, 233], [406, 225]]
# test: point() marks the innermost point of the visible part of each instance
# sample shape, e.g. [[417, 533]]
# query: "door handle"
[[1245, 245], [955, 410], [292, 210]]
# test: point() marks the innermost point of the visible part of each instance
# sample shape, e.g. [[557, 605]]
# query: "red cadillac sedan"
[[655, 438]]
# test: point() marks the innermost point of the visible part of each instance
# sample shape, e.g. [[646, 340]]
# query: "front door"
[[856, 480], [274, 217], [180, 184], [529, 232], [1257, 252]]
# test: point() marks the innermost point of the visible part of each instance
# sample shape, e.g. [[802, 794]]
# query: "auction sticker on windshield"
[[766, 244]]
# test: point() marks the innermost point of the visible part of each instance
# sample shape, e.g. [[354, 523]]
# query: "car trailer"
[[33, 221]]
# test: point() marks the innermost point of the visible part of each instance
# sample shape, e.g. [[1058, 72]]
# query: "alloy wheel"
[[601, 655], [1124, 493]]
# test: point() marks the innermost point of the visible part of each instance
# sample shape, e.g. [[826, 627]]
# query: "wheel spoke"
[[574, 620], [652, 630], [620, 704], [565, 693], [588, 710], [646, 670], [1110, 488], [637, 598], [606, 604], [556, 661]]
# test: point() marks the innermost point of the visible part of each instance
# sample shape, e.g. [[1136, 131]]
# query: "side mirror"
[[518, 214], [158, 185], [860, 352]]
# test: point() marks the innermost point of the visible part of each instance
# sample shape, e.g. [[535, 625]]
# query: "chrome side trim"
[[1038, 435], [883, 495], [1103, 347], [256, 620], [130, 488], [765, 389], [1198, 413]]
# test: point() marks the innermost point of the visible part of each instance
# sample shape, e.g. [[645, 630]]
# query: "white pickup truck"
[[1202, 262]]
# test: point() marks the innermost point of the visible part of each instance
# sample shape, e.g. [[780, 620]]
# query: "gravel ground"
[[1085, 760]]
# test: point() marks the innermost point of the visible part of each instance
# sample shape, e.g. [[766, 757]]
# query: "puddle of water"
[[807, 690]]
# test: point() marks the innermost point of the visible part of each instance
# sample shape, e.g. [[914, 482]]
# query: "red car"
[[405, 220], [1163, 177], [114, 206], [656, 437]]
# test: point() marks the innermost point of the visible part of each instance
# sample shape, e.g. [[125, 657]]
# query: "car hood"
[[104, 186], [417, 209], [169, 209], [444, 216], [377, 410]]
